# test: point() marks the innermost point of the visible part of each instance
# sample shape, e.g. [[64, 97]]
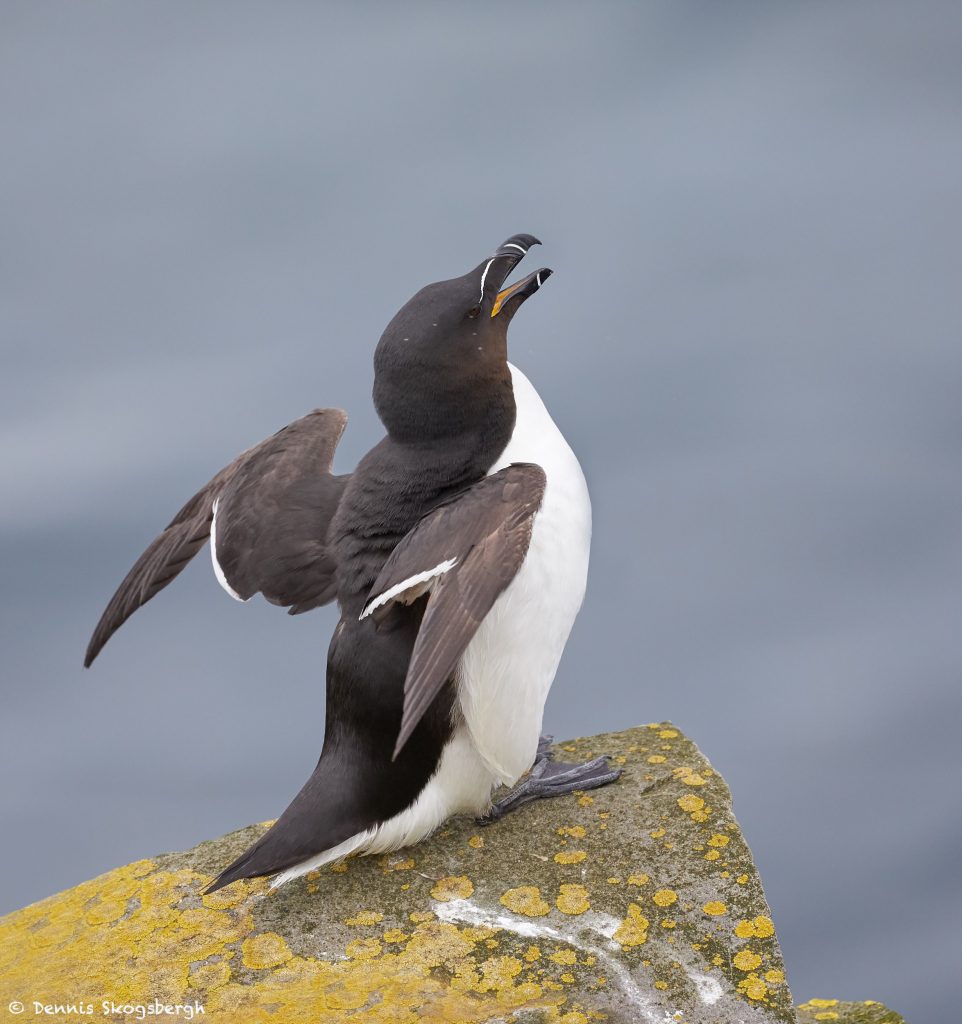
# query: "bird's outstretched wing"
[[273, 506], [463, 553]]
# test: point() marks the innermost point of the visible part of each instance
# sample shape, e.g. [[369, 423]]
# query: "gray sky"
[[752, 341]]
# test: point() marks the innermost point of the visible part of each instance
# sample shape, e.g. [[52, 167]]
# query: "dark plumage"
[[288, 528], [275, 500]]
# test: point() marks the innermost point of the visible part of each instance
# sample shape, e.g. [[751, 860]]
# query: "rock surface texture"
[[867, 1012], [634, 903]]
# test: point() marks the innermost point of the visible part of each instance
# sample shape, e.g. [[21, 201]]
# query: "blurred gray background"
[[209, 213]]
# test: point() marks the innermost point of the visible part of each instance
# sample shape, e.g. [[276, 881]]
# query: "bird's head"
[[442, 359]]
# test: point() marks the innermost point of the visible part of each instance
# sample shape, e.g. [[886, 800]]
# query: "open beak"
[[508, 255], [521, 290]]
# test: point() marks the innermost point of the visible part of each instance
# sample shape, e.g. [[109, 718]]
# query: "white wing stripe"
[[408, 584], [218, 571]]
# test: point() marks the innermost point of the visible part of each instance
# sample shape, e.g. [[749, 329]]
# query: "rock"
[[636, 902], [867, 1012]]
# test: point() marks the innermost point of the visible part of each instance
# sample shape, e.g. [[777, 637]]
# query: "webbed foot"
[[552, 778]]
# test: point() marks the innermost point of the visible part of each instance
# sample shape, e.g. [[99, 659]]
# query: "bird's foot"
[[552, 778]]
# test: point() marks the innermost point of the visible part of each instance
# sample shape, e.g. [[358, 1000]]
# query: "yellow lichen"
[[657, 833], [476, 842], [572, 899], [575, 831], [633, 931], [753, 987], [761, 928], [668, 734], [712, 855], [532, 953], [570, 857], [526, 900], [741, 879], [210, 976], [714, 908], [641, 879], [364, 949], [775, 977], [265, 950], [567, 978], [665, 897], [454, 887], [718, 840], [661, 985], [656, 759], [566, 957], [52, 949], [497, 972], [746, 960], [402, 865], [365, 917], [689, 802]]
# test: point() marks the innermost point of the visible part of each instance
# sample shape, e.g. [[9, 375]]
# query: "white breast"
[[506, 672], [508, 667]]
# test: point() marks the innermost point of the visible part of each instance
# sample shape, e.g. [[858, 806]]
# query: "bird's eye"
[[474, 312]]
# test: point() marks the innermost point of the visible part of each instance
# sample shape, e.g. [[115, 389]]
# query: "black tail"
[[356, 784], [321, 816]]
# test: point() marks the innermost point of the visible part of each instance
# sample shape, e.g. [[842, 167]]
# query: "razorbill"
[[457, 552]]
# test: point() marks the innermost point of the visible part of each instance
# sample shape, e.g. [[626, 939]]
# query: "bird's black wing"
[[463, 553], [274, 504]]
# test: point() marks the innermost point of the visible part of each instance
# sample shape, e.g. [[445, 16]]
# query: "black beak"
[[499, 266], [517, 246]]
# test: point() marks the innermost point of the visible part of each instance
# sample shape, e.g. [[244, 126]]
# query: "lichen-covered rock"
[[867, 1012], [636, 902]]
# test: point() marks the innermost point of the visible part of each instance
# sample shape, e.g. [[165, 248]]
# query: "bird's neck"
[[401, 480]]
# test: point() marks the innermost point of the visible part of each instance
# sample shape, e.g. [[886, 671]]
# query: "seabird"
[[457, 552]]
